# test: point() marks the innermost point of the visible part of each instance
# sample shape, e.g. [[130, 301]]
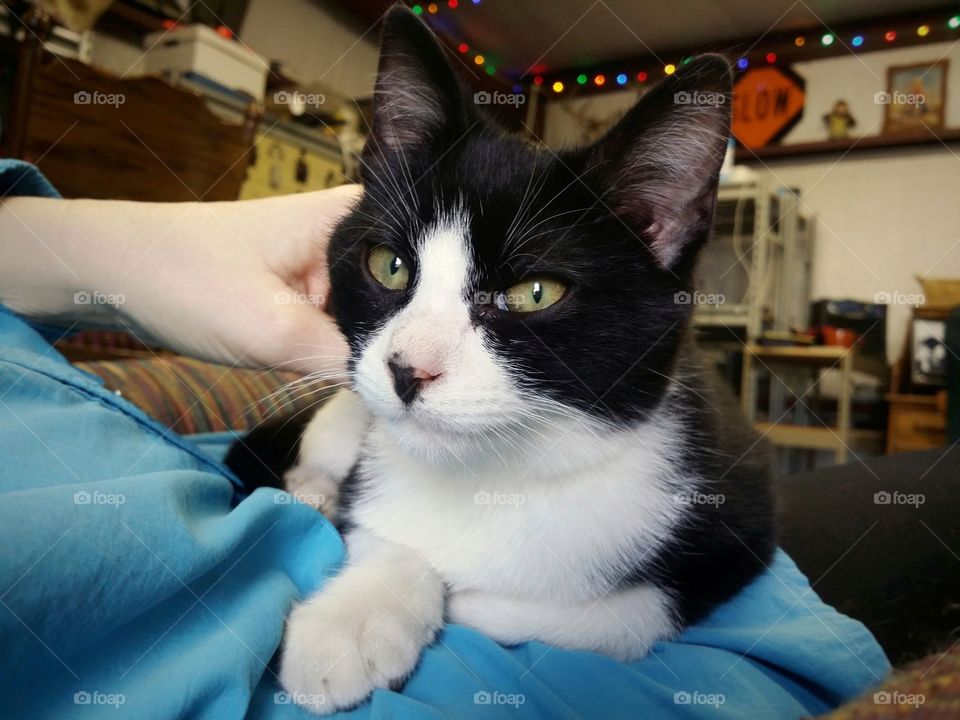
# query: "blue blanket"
[[136, 581], [134, 584]]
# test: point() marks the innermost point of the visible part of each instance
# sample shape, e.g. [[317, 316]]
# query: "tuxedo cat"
[[531, 445]]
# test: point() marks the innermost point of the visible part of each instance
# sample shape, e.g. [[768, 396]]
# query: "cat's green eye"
[[388, 268], [534, 293]]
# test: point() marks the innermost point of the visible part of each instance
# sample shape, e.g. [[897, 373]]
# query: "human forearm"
[[44, 269]]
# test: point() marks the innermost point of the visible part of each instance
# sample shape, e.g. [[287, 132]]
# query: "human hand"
[[241, 283]]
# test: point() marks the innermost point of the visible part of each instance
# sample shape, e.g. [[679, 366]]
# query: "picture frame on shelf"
[[928, 352], [915, 99]]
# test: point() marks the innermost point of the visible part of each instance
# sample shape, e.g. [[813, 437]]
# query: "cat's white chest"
[[536, 533]]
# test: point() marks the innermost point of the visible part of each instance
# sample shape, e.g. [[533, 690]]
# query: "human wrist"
[[39, 272], [103, 242]]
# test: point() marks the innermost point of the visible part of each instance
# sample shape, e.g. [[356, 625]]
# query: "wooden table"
[[840, 438]]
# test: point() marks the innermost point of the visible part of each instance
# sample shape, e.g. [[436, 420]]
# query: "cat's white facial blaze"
[[434, 333]]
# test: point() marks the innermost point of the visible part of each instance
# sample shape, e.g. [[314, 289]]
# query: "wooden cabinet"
[[917, 422], [97, 135]]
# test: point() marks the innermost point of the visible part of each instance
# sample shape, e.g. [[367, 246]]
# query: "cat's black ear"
[[659, 166], [418, 98]]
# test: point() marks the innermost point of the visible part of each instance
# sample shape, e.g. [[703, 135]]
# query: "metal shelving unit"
[[758, 260], [793, 297]]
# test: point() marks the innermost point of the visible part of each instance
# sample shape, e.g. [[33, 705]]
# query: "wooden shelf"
[[819, 356], [815, 438], [824, 355], [852, 145]]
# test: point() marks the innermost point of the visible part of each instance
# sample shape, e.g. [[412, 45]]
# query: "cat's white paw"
[[313, 487], [338, 648]]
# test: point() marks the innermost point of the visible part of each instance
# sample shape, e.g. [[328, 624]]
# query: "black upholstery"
[[894, 566]]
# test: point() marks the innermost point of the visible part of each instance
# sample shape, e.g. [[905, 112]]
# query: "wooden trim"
[[37, 25], [849, 146]]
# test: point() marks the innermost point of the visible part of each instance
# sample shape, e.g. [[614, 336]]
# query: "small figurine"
[[839, 121]]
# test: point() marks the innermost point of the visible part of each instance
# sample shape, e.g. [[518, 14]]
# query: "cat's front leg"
[[365, 629], [623, 624], [329, 448]]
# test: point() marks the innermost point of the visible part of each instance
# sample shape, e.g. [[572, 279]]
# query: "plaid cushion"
[[191, 396], [103, 342]]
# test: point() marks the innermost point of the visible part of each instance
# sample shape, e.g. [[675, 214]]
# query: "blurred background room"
[[829, 295]]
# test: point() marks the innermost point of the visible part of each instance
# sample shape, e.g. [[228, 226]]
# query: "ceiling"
[[523, 36]]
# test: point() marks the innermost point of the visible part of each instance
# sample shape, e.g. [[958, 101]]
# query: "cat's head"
[[487, 285]]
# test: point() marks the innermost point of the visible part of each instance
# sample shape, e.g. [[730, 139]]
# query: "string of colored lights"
[[478, 57], [599, 80], [856, 41], [434, 8]]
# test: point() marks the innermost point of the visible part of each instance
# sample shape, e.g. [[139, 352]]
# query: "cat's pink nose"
[[408, 380], [425, 376]]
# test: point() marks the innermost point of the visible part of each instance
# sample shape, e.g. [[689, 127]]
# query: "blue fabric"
[[21, 178], [135, 582], [128, 572]]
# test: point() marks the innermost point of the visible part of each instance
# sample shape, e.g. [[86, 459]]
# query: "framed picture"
[[929, 352], [915, 97]]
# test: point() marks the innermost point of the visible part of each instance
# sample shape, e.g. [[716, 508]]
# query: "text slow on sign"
[[767, 102]]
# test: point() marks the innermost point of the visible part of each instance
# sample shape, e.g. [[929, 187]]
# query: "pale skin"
[[241, 283]]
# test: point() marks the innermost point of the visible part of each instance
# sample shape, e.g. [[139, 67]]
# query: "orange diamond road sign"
[[767, 102]]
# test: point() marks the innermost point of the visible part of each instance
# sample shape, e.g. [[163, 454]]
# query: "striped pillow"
[[191, 396]]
